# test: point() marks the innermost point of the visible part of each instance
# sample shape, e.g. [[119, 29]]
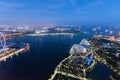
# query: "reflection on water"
[[100, 72], [45, 54]]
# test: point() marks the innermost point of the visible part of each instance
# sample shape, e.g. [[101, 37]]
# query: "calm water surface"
[[39, 63]]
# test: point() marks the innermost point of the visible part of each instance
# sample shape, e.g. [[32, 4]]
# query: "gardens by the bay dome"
[[85, 42], [77, 49]]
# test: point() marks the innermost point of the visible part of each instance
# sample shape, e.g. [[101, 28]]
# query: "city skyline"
[[55, 12]]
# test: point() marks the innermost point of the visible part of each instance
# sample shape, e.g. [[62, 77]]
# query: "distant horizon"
[[95, 25]]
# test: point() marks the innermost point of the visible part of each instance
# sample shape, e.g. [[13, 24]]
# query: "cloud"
[[89, 6], [73, 2], [97, 3], [51, 8], [78, 10], [56, 4], [4, 6]]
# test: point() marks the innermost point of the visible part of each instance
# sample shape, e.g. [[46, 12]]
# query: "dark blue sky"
[[60, 12]]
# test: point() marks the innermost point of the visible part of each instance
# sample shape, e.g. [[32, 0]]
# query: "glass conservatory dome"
[[85, 42], [77, 49]]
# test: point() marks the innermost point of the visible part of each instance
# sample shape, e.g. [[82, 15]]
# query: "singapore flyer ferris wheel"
[[2, 42]]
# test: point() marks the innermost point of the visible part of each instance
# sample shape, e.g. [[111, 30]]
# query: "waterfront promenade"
[[12, 52]]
